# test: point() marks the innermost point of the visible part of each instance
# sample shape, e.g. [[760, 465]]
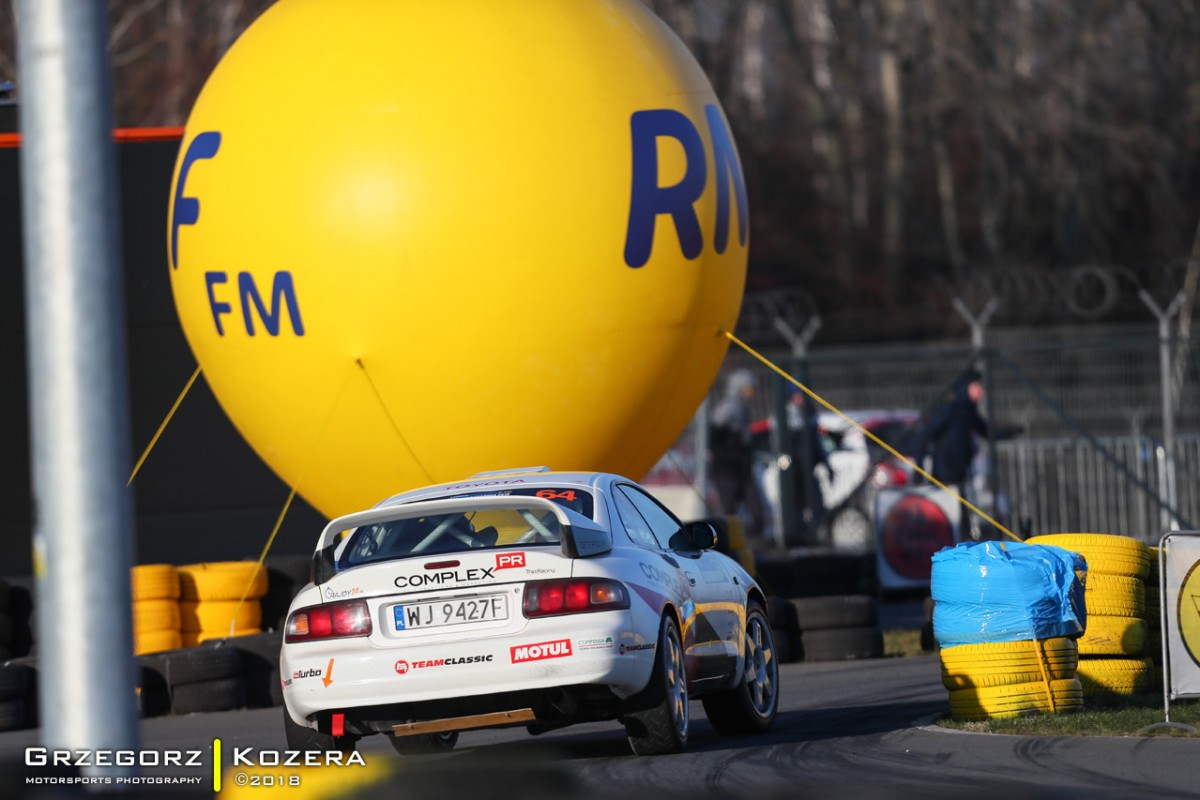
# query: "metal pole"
[[77, 380], [799, 345], [1164, 317], [978, 325]]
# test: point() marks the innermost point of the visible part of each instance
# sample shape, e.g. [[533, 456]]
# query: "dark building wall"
[[203, 494]]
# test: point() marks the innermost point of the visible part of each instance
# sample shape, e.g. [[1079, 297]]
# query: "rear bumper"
[[354, 677]]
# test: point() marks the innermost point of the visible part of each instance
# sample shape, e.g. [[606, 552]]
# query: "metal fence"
[[1065, 485], [1075, 393]]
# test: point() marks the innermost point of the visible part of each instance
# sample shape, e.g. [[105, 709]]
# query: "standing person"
[[808, 453], [732, 453], [952, 430]]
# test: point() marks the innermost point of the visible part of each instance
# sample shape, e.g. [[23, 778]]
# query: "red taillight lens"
[[336, 620], [547, 598]]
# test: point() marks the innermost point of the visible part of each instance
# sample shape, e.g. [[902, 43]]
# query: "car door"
[[712, 623]]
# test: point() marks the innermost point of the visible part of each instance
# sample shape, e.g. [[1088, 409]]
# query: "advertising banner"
[[912, 524], [1180, 587]]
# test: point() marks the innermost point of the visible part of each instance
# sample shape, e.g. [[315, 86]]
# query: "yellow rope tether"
[[292, 494], [868, 434], [163, 426], [1039, 647]]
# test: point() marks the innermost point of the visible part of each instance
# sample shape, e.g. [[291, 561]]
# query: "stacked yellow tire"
[[1010, 679], [211, 600], [155, 608], [1112, 651]]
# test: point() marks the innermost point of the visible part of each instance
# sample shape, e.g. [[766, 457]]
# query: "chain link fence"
[[1074, 394]]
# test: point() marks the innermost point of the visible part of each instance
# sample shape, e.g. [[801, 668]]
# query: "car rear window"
[[478, 529]]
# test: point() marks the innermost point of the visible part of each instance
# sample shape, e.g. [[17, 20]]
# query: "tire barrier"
[[1017, 699], [17, 697], [154, 582], [222, 580], [838, 627], [191, 680], [785, 633], [212, 616], [286, 576], [212, 606], [978, 666], [195, 638], [1115, 596], [260, 668], [1115, 678], [21, 618], [155, 591], [1106, 554], [816, 574], [1123, 607], [1113, 636]]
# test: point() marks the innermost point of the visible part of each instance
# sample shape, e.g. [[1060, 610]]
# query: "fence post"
[[1166, 456], [798, 342]]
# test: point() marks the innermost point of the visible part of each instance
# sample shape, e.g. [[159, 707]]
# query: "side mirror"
[[322, 568], [701, 535]]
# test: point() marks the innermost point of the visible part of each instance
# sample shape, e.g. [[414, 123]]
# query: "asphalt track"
[[845, 730]]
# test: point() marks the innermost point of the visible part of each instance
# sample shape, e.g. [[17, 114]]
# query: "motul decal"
[[560, 648]]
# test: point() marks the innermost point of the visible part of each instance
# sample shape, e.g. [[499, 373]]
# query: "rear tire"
[[305, 739], [424, 743], [659, 725], [752, 705]]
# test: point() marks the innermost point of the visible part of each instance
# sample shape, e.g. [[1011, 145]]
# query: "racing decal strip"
[[656, 600]]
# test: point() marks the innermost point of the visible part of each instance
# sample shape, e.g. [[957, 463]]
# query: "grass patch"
[[902, 643], [1110, 719]]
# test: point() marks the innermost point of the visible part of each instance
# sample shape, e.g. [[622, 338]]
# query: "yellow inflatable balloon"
[[418, 239]]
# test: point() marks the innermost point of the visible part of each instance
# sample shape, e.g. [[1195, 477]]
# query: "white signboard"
[[1180, 587], [910, 526]]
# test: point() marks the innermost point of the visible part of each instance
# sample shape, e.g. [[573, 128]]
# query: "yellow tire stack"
[[211, 605], [1112, 662], [155, 589], [1009, 679]]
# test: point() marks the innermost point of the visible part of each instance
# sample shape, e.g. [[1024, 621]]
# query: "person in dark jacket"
[[952, 429], [733, 453]]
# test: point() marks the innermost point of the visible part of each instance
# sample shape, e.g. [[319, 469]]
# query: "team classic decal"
[[403, 667], [510, 560], [559, 648]]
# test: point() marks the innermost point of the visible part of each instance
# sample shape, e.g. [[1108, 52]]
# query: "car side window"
[[662, 524], [634, 524]]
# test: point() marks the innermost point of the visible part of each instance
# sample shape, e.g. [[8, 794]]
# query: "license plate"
[[439, 613]]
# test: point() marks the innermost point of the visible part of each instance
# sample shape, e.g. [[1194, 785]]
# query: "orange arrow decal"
[[328, 678]]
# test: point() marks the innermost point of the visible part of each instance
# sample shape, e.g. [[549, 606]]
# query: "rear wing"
[[581, 537]]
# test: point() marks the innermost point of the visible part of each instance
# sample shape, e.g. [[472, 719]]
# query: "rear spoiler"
[[581, 538]]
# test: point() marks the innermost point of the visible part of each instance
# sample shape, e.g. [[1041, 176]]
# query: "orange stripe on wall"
[[119, 135]]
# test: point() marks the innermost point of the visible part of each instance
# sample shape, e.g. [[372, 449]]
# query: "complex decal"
[[450, 576]]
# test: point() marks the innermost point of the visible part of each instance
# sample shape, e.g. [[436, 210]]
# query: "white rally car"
[[529, 598]]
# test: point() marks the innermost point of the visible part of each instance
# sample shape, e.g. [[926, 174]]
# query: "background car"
[[528, 598], [859, 468]]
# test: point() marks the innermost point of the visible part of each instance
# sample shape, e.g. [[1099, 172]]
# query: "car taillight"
[[573, 596], [332, 621]]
